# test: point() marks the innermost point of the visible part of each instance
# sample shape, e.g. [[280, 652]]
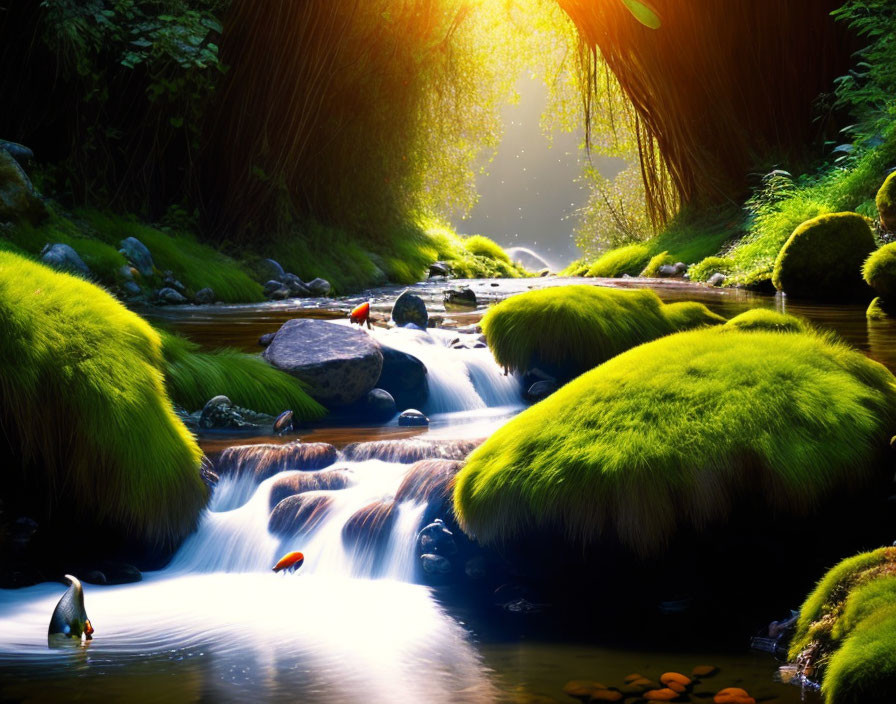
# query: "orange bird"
[[290, 561], [361, 314]]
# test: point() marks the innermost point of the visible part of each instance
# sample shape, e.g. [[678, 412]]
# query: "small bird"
[[290, 561], [69, 617], [361, 315]]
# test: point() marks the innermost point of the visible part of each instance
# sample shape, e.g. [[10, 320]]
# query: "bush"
[[193, 377], [570, 329], [84, 413], [653, 266], [823, 257], [768, 320], [844, 635], [668, 436], [687, 315], [625, 260], [702, 270], [886, 202], [482, 246], [879, 271]]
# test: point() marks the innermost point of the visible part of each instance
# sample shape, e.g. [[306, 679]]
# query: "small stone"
[[436, 539], [628, 679], [168, 296], [266, 339], [319, 287], [137, 254], [435, 565], [439, 269], [540, 390], [464, 298], [280, 294], [704, 671], [270, 268], [412, 418], [667, 678], [543, 272], [205, 296], [379, 405], [733, 695], [410, 308], [661, 695], [297, 288], [272, 285], [716, 279]]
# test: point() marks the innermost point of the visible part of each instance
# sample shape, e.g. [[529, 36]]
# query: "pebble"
[[733, 695], [583, 689], [661, 695], [704, 671]]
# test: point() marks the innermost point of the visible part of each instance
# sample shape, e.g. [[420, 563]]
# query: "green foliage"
[[669, 435], [879, 271], [693, 235], [768, 320], [656, 261], [702, 270], [886, 202], [687, 315], [570, 329], [877, 310], [194, 376], [823, 257], [482, 246], [625, 260], [84, 409]]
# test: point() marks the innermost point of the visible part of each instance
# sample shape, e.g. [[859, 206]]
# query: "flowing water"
[[353, 624]]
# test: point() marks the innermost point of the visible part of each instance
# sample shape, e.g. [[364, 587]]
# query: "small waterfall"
[[529, 258]]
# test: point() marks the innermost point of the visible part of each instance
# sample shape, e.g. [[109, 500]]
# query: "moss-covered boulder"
[[765, 319], [886, 202], [675, 434], [823, 257], [846, 630], [879, 271], [705, 268], [88, 436], [569, 329], [687, 315], [877, 310], [482, 246], [629, 260]]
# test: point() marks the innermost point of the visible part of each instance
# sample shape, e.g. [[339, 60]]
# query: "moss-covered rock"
[[482, 246], [569, 329], [877, 310], [823, 257], [879, 271], [674, 434], [846, 630], [771, 320], [687, 315], [702, 270], [89, 437], [886, 202], [629, 260]]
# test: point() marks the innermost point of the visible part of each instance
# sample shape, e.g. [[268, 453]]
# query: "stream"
[[353, 624]]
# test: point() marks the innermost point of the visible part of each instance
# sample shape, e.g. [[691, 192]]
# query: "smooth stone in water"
[[319, 287], [379, 405], [339, 364], [280, 294], [464, 298], [412, 418], [410, 308], [403, 376], [436, 539], [435, 565], [439, 269], [137, 254], [169, 296], [63, 258], [716, 279], [205, 296]]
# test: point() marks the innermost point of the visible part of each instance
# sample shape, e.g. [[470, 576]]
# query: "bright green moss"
[[877, 310], [667, 435], [824, 256], [653, 266], [771, 320], [687, 315], [879, 271], [482, 246], [84, 410], [863, 669], [886, 202], [702, 270], [570, 329], [579, 267], [625, 260], [193, 377]]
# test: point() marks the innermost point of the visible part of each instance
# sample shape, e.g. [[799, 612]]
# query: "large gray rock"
[[403, 376], [297, 288], [18, 199], [137, 254], [319, 287], [338, 363], [410, 308], [64, 258], [270, 269], [168, 296]]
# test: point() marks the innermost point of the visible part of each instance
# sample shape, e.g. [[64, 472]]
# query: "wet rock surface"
[[138, 255], [404, 377], [409, 309], [63, 258]]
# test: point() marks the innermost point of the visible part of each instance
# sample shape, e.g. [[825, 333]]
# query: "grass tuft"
[[768, 320], [653, 266], [482, 246], [702, 270], [687, 315], [630, 260]]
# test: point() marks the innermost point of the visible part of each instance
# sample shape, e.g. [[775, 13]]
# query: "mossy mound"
[[823, 257], [482, 246], [675, 434], [687, 315], [653, 266], [877, 310], [886, 202], [569, 329], [771, 320], [879, 271], [89, 434], [194, 376], [702, 270], [846, 628], [629, 260]]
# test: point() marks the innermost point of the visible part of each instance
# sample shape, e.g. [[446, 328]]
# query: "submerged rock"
[[464, 298], [428, 481], [63, 258], [369, 527], [540, 390], [403, 376], [138, 255], [435, 565], [266, 460], [439, 269], [410, 309], [409, 450], [299, 514], [295, 483], [436, 539], [413, 418], [379, 405], [339, 364]]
